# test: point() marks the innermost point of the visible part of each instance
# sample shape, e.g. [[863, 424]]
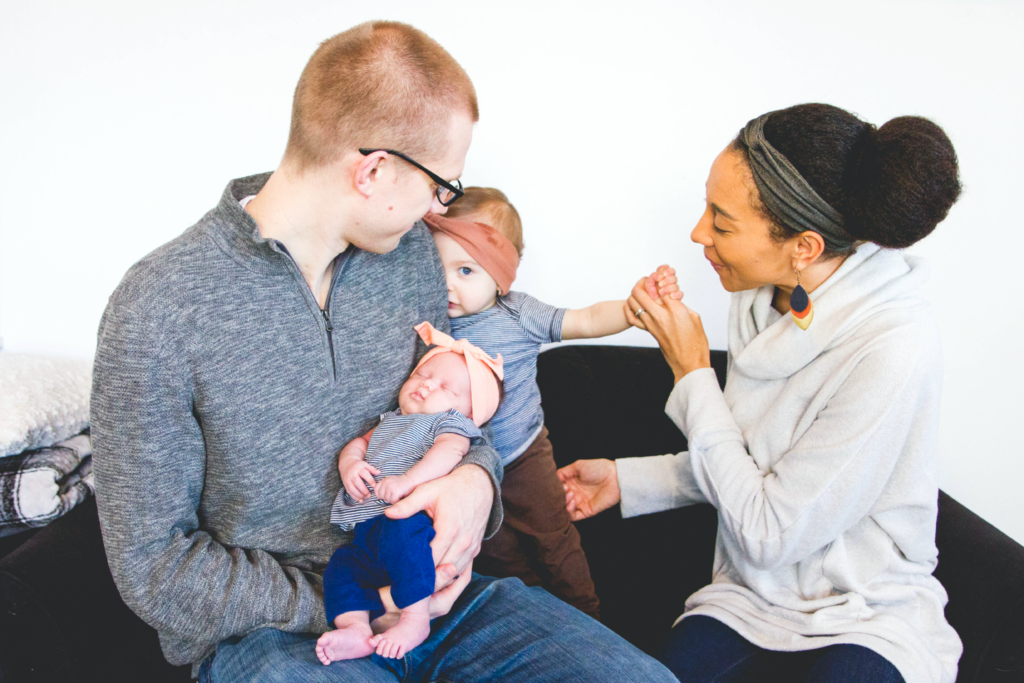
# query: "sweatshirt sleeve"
[[149, 461], [835, 469], [656, 483], [435, 309]]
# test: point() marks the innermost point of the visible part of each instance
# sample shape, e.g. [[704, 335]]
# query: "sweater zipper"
[[339, 265], [330, 340]]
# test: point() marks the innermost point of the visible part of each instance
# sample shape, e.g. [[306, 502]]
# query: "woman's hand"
[[591, 486], [663, 283], [675, 326]]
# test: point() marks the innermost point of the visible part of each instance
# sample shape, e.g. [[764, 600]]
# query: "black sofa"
[[61, 618]]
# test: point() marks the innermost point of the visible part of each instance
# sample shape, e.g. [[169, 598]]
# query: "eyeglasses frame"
[[456, 190]]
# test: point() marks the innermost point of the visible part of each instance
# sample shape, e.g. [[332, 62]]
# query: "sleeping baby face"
[[440, 384]]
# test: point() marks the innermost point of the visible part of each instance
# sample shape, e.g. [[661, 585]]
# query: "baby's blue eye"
[[465, 270]]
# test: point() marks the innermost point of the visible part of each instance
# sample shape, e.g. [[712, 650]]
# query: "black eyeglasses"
[[447, 191]]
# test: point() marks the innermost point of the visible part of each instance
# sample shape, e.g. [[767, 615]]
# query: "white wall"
[[120, 124]]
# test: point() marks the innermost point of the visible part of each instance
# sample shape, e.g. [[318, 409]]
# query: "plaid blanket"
[[37, 487]]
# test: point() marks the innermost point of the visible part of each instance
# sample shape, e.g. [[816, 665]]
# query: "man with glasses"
[[234, 362]]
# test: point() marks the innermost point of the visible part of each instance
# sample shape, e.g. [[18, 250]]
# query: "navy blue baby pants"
[[393, 552]]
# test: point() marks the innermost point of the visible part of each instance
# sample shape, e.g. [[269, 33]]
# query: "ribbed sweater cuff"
[[474, 457], [655, 483]]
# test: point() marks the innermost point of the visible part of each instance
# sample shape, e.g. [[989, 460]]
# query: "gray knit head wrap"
[[785, 192]]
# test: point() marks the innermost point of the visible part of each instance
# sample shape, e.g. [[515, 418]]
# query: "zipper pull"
[[327, 320]]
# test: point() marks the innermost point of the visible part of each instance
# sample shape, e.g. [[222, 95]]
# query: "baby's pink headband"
[[483, 387], [493, 251]]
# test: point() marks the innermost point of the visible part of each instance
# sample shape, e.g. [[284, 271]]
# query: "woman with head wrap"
[[821, 453]]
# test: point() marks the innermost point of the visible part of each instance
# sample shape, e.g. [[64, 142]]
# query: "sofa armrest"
[[982, 570], [62, 618]]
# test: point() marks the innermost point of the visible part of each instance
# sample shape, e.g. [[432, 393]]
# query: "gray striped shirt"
[[515, 327], [399, 442]]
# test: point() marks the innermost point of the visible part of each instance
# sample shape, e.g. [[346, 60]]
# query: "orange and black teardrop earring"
[[800, 306]]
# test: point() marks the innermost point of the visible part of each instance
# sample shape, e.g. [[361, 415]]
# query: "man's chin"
[[381, 246]]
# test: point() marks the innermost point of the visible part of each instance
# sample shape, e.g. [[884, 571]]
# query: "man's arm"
[[149, 460]]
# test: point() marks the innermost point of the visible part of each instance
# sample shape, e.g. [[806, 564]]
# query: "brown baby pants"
[[537, 542]]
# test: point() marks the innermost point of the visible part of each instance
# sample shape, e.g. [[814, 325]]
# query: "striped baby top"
[[399, 442], [515, 327]]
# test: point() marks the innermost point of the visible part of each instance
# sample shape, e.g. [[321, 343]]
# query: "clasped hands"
[[676, 327]]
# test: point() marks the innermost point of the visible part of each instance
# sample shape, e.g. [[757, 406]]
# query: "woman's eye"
[[719, 230], [465, 270]]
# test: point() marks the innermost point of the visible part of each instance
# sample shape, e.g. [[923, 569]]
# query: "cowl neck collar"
[[871, 280]]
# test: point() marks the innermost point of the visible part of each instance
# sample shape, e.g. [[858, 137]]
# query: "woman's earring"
[[800, 306]]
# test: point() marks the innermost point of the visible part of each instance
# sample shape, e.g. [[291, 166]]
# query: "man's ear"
[[808, 247], [367, 172]]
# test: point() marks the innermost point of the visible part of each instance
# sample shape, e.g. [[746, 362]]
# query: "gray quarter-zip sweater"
[[221, 397]]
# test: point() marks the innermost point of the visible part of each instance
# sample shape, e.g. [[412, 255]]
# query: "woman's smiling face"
[[736, 237]]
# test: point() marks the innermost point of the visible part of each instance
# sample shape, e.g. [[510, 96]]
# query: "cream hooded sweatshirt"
[[821, 457]]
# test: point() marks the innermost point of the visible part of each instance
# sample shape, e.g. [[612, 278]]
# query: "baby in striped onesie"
[[455, 388], [480, 241]]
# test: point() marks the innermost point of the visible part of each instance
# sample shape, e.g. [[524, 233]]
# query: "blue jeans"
[[497, 630], [704, 650]]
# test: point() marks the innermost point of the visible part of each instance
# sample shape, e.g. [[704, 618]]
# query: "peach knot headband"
[[488, 247], [482, 369]]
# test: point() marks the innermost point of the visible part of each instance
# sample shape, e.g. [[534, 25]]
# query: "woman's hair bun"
[[903, 182], [892, 185]]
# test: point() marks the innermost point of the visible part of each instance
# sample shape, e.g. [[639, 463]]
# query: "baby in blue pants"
[[455, 388]]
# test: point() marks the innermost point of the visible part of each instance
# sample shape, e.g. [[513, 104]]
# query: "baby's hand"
[[663, 282], [356, 473], [394, 489]]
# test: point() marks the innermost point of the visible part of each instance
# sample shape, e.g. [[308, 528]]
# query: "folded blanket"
[[37, 487], [43, 400]]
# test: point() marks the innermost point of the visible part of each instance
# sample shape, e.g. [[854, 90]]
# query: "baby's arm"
[[609, 317], [599, 320], [355, 472], [447, 451]]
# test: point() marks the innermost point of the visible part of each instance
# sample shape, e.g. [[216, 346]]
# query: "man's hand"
[[459, 504], [356, 474], [394, 489]]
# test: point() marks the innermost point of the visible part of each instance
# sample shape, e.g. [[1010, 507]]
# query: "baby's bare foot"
[[412, 628], [350, 642]]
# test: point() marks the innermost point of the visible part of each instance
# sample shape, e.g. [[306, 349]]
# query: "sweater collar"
[[236, 233], [871, 280]]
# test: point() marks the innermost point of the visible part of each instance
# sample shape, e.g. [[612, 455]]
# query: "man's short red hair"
[[381, 84]]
